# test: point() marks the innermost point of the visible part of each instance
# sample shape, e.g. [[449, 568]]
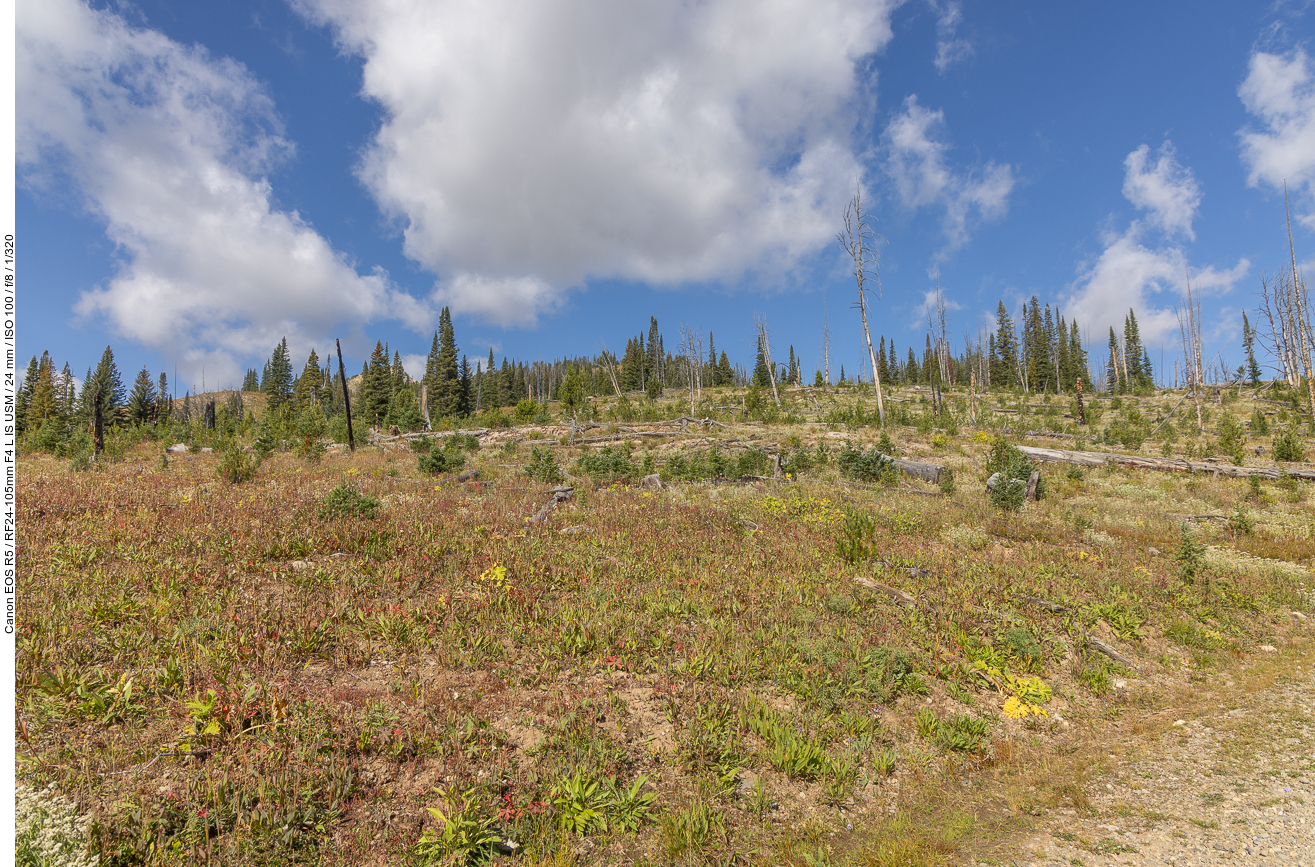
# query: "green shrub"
[[543, 466], [440, 461], [1015, 468], [869, 466], [854, 544], [495, 419], [345, 501], [1259, 424], [1191, 555], [237, 466], [612, 462], [1288, 447], [1232, 439]]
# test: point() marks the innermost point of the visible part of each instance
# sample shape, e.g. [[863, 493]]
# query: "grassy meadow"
[[348, 660]]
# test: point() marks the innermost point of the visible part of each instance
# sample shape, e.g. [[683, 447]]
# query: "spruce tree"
[[1077, 357], [653, 362], [164, 403], [278, 383], [445, 386], [142, 399], [1249, 344], [1113, 377], [762, 374], [24, 396], [912, 370], [308, 390], [106, 383], [66, 394], [725, 373], [883, 368], [41, 406], [251, 382], [1006, 349], [465, 389], [376, 392]]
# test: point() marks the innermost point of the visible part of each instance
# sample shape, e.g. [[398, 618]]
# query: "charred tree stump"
[[346, 398]]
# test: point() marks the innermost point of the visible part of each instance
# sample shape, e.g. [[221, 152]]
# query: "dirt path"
[[1231, 784]]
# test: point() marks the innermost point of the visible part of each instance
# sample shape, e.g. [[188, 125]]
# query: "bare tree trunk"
[[859, 240], [98, 425], [346, 398], [826, 343], [767, 353], [1303, 319]]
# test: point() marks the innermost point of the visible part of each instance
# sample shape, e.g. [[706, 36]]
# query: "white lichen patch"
[[966, 537], [1230, 558]]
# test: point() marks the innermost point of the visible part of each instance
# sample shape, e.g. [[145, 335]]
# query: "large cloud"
[[528, 147], [916, 162], [169, 147], [1280, 92], [1134, 273]]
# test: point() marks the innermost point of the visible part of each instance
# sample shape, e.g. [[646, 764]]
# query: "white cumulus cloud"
[[950, 48], [1133, 274], [529, 147], [1165, 189], [916, 160], [1279, 91], [170, 147]]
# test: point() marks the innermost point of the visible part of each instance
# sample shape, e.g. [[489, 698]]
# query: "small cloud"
[[1165, 189], [950, 49], [916, 162]]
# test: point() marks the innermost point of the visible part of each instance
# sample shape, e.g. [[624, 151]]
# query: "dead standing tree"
[[691, 349], [859, 240], [765, 345]]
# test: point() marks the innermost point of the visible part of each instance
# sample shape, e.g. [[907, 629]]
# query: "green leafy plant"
[[628, 807], [855, 541], [689, 830], [439, 461], [1190, 556], [465, 834], [580, 802], [1232, 438], [1014, 469], [344, 501]]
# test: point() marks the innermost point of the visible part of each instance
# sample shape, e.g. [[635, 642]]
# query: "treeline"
[[1041, 352]]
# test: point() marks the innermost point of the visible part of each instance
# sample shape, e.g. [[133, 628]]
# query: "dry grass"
[[220, 674]]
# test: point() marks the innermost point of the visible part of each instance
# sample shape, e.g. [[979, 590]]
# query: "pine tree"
[[725, 373], [376, 387], [762, 374], [445, 386], [308, 390], [632, 365], [465, 389], [251, 382], [491, 384], [41, 406], [164, 403], [893, 365], [653, 361], [883, 368], [1113, 377], [24, 396], [278, 382], [1249, 344], [1140, 374], [66, 394], [505, 383], [1077, 357], [912, 370], [106, 383], [142, 399], [1005, 371]]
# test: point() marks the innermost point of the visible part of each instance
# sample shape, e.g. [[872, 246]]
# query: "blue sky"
[[196, 181]]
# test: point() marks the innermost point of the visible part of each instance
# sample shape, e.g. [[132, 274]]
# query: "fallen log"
[[933, 473], [1146, 462], [560, 495]]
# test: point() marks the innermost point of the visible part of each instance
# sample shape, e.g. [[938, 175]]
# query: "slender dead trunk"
[[859, 241], [1303, 319], [346, 398]]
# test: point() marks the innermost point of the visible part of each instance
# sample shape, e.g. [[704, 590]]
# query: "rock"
[[1298, 615], [653, 482], [205, 450], [1269, 648], [178, 449], [468, 476], [1152, 550], [995, 480], [299, 565], [578, 528], [1120, 684]]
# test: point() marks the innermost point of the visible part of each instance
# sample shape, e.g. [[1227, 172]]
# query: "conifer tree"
[[762, 374], [251, 382], [1005, 369], [893, 364], [106, 383], [883, 368], [66, 394], [1249, 344], [278, 382], [655, 358], [445, 387], [164, 403], [308, 390], [1077, 357], [376, 387], [24, 396], [41, 406], [465, 389], [142, 398], [1139, 371], [912, 370], [725, 373], [1113, 377]]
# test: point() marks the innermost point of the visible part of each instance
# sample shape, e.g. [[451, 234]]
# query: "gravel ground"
[[1236, 786]]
